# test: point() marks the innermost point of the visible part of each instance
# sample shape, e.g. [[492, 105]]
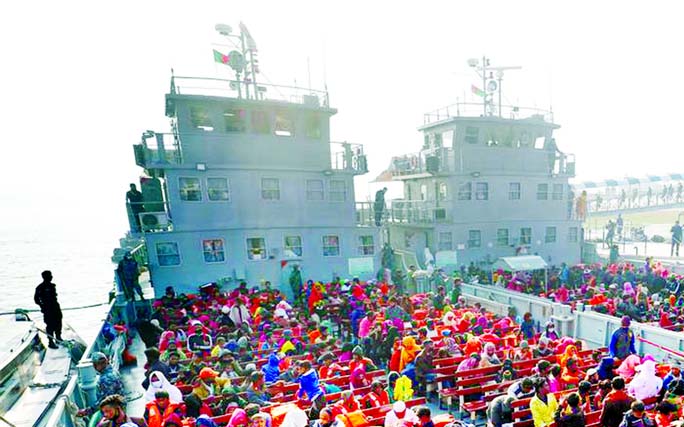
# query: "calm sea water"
[[78, 258]]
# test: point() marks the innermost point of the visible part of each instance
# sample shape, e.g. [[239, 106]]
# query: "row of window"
[[280, 123], [218, 189], [213, 250], [480, 191], [445, 242]]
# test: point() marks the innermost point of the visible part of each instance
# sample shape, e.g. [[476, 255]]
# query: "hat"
[[98, 357], [358, 350], [592, 371], [243, 342], [524, 344], [207, 373], [155, 322], [626, 321], [225, 309], [399, 406]]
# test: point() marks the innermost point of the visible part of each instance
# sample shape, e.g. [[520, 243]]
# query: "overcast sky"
[[82, 80]]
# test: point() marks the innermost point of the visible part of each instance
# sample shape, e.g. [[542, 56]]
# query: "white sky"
[[82, 80]]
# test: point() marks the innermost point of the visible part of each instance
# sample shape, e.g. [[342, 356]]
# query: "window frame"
[[205, 251], [471, 240], [180, 189], [499, 240], [339, 246], [227, 189], [301, 246], [573, 231], [177, 254], [529, 237], [548, 235], [470, 136], [309, 191], [512, 192], [442, 243], [362, 248], [263, 191], [468, 193], [557, 195], [281, 117], [442, 191], [242, 119], [250, 249], [333, 193], [479, 194], [545, 193]]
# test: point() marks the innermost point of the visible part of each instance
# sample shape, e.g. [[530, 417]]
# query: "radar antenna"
[[490, 83]]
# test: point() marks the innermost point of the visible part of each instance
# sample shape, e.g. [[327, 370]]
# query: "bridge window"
[[314, 190], [270, 188], [331, 245], [213, 250], [366, 245], [465, 191], [167, 254], [550, 236], [442, 196], [572, 235], [338, 191], [234, 120], [514, 191], [312, 126], [261, 122], [481, 191], [502, 237], [284, 124], [542, 191], [423, 192], [445, 241], [472, 134], [293, 246], [190, 189], [474, 239], [525, 236], [557, 192], [256, 248], [200, 118], [218, 189]]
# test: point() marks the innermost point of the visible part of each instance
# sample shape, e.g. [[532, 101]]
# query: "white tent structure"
[[523, 263]]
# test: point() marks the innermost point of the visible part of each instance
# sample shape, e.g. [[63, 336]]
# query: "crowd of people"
[[249, 357]]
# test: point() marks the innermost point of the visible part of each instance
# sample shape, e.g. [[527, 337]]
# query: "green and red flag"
[[477, 91], [219, 57]]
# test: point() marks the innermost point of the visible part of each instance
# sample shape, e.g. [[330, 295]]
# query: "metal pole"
[[244, 55], [484, 84], [500, 78]]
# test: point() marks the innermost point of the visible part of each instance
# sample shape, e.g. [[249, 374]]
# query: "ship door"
[[287, 270]]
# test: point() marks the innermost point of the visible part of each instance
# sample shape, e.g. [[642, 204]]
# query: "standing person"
[[379, 205], [135, 200], [128, 276], [527, 330], [622, 341], [46, 298], [620, 224], [543, 404], [676, 238], [610, 236]]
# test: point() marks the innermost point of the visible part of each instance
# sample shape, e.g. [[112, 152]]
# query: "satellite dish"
[[492, 86], [223, 29]]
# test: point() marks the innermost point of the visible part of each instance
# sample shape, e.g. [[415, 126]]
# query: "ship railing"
[[419, 212], [208, 86], [81, 389], [365, 214], [432, 161], [474, 109], [149, 216], [157, 150], [345, 156]]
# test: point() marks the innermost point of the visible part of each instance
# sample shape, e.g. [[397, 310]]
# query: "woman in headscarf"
[[489, 357], [550, 331], [159, 382], [645, 383], [238, 419], [471, 362], [627, 368], [570, 352], [409, 351], [271, 369]]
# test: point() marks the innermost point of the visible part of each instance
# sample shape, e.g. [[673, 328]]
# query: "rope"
[[663, 348], [81, 307], [6, 422]]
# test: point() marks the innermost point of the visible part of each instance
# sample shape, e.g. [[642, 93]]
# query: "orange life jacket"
[[155, 417]]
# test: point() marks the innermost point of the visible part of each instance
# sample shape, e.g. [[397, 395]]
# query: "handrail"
[[475, 110]]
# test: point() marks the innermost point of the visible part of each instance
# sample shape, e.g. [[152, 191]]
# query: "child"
[[425, 417]]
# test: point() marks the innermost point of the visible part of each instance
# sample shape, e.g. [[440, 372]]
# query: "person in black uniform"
[[379, 205], [135, 199], [46, 298]]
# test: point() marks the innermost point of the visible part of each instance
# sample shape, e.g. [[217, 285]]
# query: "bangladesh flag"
[[476, 90], [219, 57]]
